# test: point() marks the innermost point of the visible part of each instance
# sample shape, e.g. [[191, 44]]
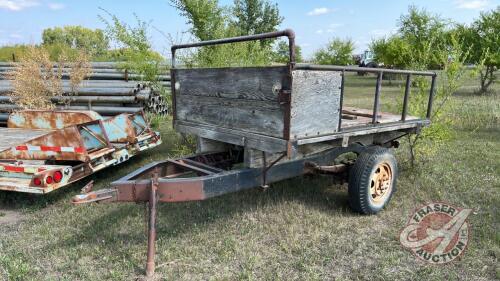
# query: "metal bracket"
[[107, 195], [285, 99], [266, 168], [345, 141]]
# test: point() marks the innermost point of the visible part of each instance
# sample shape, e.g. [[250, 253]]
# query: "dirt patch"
[[10, 217]]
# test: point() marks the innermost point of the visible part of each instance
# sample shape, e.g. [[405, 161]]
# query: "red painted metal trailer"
[[43, 150]]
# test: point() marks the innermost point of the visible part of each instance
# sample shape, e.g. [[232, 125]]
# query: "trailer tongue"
[[259, 125]]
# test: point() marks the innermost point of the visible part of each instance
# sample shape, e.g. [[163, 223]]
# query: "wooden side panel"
[[248, 83], [253, 116], [241, 99], [236, 137], [315, 103]]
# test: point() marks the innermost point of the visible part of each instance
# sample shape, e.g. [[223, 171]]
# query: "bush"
[[449, 81], [337, 52]]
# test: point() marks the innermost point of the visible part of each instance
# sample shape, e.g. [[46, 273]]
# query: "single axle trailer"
[[259, 125], [43, 150]]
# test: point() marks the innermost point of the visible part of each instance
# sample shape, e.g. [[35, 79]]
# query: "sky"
[[315, 21]]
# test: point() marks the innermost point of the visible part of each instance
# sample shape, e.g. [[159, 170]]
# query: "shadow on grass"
[[178, 219]]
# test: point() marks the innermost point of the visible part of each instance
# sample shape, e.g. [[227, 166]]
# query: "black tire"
[[362, 178]]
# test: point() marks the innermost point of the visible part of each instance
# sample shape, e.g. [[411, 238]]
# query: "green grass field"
[[300, 229]]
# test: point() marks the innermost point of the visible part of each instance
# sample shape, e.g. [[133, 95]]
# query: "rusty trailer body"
[[41, 151], [259, 125]]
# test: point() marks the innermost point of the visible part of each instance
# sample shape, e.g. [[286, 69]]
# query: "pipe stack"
[[108, 90]]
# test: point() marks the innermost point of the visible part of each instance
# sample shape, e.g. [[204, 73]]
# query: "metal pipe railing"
[[376, 102], [406, 97], [431, 97], [287, 32], [303, 66], [380, 72]]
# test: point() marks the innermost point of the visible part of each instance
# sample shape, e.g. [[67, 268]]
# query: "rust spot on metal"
[[49, 119]]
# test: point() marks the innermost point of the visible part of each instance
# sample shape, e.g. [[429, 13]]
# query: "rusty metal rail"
[[287, 32]]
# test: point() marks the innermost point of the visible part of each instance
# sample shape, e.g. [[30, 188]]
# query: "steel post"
[[153, 200]]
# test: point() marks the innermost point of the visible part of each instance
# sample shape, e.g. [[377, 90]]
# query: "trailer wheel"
[[372, 180]]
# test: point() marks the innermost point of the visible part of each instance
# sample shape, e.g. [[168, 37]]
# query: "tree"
[[206, 18], [420, 38], [209, 20], [337, 52], [281, 52], [425, 33], [482, 41], [393, 52], [450, 80], [78, 37], [136, 51], [255, 16]]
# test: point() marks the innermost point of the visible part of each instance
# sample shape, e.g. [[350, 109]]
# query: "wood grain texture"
[[254, 158], [204, 145], [236, 137], [315, 103], [249, 83], [245, 115], [241, 99]]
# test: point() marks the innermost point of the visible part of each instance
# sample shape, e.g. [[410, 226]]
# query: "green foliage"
[[337, 52], [281, 52], [76, 37], [209, 20], [206, 18], [255, 16], [482, 41], [425, 33], [136, 51], [392, 52], [420, 39], [450, 80], [7, 52]]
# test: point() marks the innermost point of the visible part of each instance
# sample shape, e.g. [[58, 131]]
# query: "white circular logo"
[[437, 232]]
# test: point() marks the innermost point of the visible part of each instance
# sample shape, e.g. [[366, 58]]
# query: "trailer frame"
[[220, 165]]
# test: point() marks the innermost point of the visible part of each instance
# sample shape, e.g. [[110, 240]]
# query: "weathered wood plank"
[[315, 103], [204, 145], [254, 158], [366, 130], [253, 83], [250, 116], [236, 137]]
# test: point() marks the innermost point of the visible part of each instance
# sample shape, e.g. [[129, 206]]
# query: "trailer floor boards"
[[364, 117]]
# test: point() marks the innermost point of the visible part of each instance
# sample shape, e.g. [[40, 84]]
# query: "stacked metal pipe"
[[108, 90]]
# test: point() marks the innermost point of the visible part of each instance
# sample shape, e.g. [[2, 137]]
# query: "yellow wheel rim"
[[381, 182]]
